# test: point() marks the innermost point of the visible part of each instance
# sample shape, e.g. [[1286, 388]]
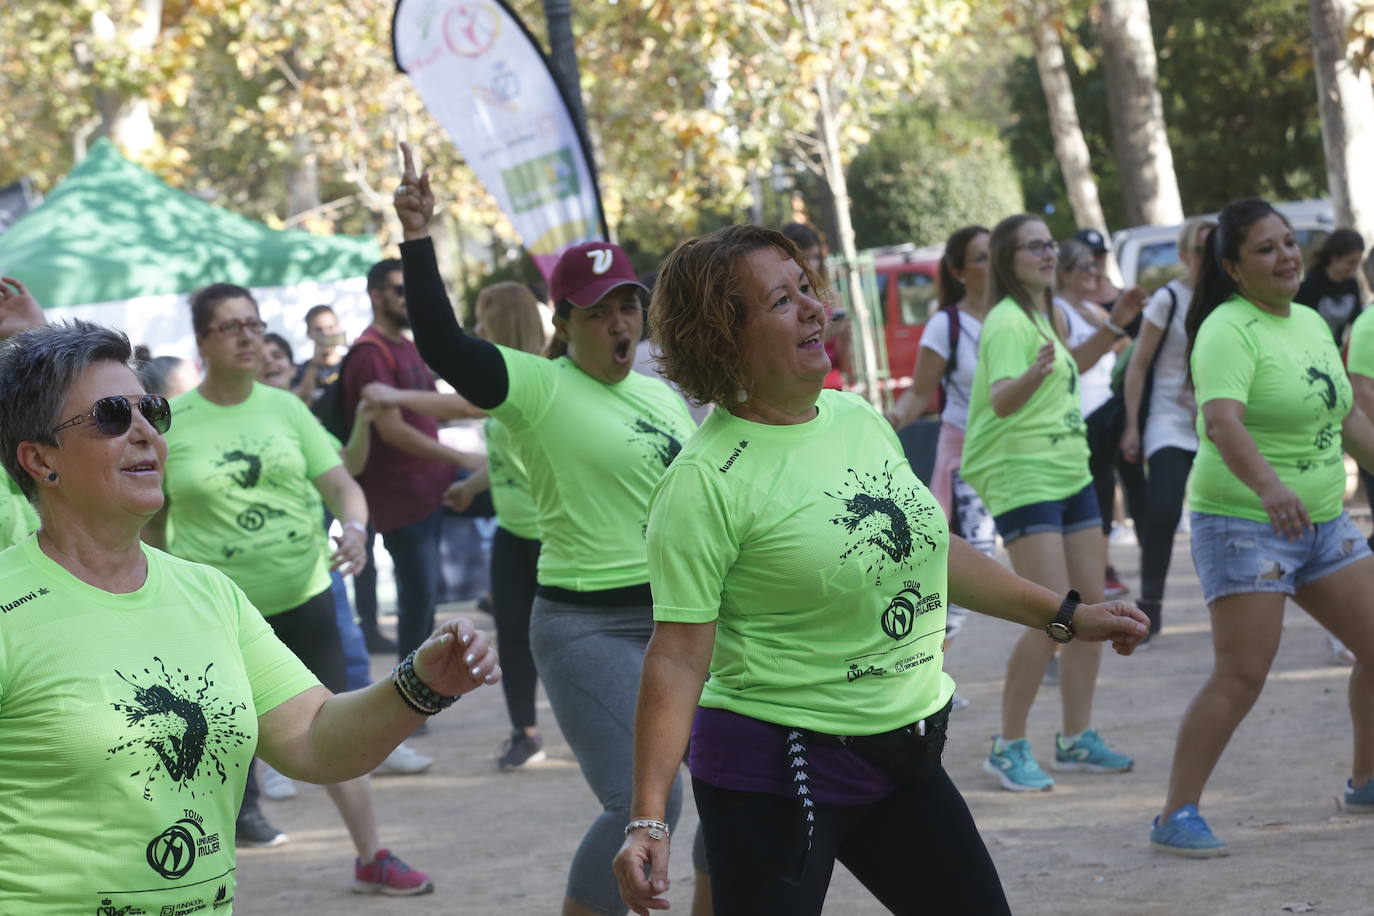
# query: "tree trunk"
[[1069, 146], [1143, 158], [828, 122], [126, 120], [302, 176], [1347, 109]]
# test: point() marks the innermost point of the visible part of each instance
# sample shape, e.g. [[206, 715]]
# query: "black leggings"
[[917, 851], [311, 632], [1105, 462], [514, 570], [1169, 469]]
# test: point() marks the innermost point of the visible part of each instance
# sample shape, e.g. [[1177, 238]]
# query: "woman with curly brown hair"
[[797, 560]]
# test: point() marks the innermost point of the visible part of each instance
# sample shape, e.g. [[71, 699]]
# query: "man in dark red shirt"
[[408, 468]]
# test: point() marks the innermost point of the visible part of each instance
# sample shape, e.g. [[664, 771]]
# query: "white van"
[[1148, 255]]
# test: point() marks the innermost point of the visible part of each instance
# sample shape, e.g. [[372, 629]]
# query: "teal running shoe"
[[1361, 800], [1088, 754], [1185, 833], [1015, 767]]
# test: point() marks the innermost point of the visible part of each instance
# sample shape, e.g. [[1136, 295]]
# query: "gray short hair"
[[37, 368]]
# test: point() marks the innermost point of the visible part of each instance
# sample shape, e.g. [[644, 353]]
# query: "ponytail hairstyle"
[[949, 287], [558, 347], [1214, 284], [1337, 245], [1002, 279]]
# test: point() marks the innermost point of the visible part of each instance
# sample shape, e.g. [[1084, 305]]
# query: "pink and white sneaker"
[[388, 875]]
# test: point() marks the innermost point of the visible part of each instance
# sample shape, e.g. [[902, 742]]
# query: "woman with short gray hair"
[[139, 683]]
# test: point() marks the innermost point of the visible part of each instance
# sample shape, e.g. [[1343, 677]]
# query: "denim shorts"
[[1238, 556], [1062, 516]]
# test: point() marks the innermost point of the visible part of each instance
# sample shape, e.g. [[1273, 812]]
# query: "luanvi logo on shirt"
[[739, 449], [22, 599]]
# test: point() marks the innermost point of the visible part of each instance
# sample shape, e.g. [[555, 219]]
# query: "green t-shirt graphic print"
[[822, 559], [127, 722], [1039, 452], [241, 499], [1287, 372], [593, 451]]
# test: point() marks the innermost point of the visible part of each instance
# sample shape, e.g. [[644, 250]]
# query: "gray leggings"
[[589, 659]]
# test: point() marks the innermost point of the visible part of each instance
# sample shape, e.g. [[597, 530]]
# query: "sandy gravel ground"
[[500, 843]]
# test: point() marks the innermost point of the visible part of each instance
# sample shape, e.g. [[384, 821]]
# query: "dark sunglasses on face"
[[114, 415]]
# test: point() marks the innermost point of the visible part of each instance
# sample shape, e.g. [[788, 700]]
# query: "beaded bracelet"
[[657, 829], [414, 691], [408, 701]]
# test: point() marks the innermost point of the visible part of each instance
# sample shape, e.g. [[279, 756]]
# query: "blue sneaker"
[[1014, 766], [1185, 833], [1361, 800], [1088, 754]]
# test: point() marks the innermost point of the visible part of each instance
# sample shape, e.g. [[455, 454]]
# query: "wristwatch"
[[1060, 629]]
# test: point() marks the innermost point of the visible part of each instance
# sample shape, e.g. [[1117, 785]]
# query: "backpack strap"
[[1168, 323], [372, 338]]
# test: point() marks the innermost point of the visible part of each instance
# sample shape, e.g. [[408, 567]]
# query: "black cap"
[[1093, 239]]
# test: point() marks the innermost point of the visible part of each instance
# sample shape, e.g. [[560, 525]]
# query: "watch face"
[[1058, 632]]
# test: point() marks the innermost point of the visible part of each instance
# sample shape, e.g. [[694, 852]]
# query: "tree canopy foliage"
[[927, 172], [291, 112], [1236, 79]]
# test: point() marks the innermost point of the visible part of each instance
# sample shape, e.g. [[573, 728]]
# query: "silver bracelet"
[[358, 527], [657, 829], [1112, 326]]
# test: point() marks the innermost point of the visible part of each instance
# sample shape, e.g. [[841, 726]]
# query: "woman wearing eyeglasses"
[[137, 686], [247, 468], [1026, 455]]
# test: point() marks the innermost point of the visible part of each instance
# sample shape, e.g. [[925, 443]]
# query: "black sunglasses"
[[114, 415]]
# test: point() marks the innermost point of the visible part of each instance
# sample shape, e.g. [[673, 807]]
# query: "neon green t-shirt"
[[17, 518], [126, 726], [593, 453], [823, 560], [238, 480], [1360, 355], [510, 484], [1040, 452], [1288, 374]]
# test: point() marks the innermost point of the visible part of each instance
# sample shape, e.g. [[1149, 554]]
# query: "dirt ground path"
[[500, 843]]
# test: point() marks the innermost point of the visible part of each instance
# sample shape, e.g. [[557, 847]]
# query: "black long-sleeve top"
[[473, 366]]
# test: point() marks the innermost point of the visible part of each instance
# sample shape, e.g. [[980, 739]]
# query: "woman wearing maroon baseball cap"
[[596, 437]]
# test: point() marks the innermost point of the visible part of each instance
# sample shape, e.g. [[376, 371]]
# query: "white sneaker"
[[403, 762], [1340, 654], [273, 784]]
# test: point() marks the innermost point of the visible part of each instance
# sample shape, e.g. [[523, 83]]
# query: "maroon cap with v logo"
[[586, 273]]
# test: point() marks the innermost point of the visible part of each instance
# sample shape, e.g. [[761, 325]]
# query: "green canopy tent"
[[114, 244]]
